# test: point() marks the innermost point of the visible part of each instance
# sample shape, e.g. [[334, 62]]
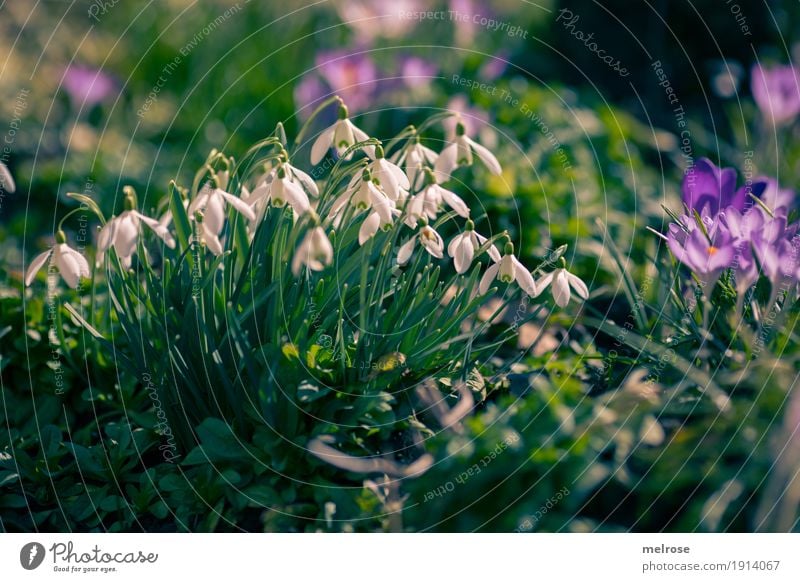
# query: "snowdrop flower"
[[211, 204], [429, 239], [562, 281], [437, 195], [427, 202], [296, 175], [6, 179], [315, 252], [371, 225], [460, 152], [463, 246], [340, 136], [363, 192], [391, 178], [71, 264], [509, 269], [123, 231], [278, 189], [415, 158]]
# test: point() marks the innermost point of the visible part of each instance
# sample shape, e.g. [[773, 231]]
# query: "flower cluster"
[[402, 191], [743, 229]]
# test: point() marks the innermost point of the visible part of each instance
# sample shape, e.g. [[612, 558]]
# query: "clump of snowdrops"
[[306, 314]]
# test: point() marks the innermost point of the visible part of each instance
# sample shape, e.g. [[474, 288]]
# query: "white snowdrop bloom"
[[123, 231], [437, 195], [278, 189], [372, 223], [460, 152], [430, 240], [507, 270], [362, 193], [392, 179], [71, 264], [419, 207], [339, 136], [6, 180], [561, 281], [462, 248], [315, 252], [296, 175], [415, 158], [211, 202]]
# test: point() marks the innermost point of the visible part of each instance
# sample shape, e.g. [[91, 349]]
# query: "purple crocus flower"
[[779, 200], [707, 255], [87, 87], [709, 189], [351, 76], [776, 92]]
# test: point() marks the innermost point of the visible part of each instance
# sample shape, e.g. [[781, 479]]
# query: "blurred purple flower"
[[776, 92], [87, 87], [351, 76], [493, 67], [417, 72], [709, 189]]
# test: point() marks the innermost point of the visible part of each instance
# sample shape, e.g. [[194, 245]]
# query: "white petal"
[[544, 282], [322, 144], [360, 135], [6, 179], [36, 265], [489, 276], [398, 174], [260, 192], [405, 251], [434, 245], [68, 266], [580, 287], [463, 257], [106, 237], [486, 157], [561, 291], [306, 181], [160, 230], [199, 203], [83, 264], [369, 227], [454, 202], [524, 278], [212, 242], [445, 163], [493, 252], [127, 234], [454, 242], [323, 249], [343, 137], [296, 196], [240, 205]]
